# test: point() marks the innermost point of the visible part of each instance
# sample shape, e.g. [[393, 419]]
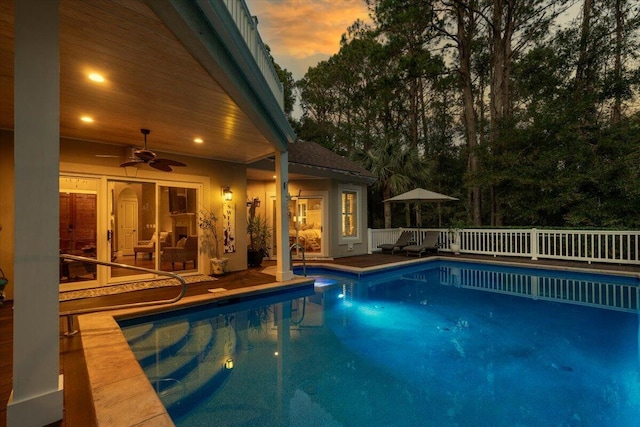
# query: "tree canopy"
[[528, 111]]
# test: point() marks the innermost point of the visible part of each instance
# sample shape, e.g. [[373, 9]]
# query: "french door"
[[152, 226], [78, 230], [307, 218], [130, 223]]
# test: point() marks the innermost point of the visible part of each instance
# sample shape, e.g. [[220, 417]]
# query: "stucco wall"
[[80, 157], [330, 189]]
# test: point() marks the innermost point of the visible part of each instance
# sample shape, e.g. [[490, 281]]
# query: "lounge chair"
[[430, 242], [405, 239]]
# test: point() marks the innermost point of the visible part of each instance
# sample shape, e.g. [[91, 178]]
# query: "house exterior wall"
[[348, 247], [80, 157], [335, 246]]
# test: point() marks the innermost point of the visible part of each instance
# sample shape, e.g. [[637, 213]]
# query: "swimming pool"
[[439, 344]]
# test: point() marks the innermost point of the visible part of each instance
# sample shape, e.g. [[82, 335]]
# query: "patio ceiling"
[[151, 81]]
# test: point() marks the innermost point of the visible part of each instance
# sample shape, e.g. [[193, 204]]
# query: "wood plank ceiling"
[[151, 82]]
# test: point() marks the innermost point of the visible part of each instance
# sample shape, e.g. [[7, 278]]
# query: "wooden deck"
[[78, 407]]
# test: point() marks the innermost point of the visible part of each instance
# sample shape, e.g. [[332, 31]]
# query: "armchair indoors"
[[185, 250], [149, 246]]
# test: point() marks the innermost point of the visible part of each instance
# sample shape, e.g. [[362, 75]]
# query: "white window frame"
[[359, 212]]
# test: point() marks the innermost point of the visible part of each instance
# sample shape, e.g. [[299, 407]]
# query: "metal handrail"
[[304, 261], [70, 313]]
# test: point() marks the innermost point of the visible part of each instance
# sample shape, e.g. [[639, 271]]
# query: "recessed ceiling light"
[[198, 141], [96, 77], [86, 119], [274, 177]]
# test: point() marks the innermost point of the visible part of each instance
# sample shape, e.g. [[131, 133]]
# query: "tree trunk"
[[386, 194], [466, 29], [616, 113], [502, 29]]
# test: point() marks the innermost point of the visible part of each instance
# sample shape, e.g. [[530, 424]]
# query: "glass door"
[[132, 233], [178, 231], [306, 224], [78, 227]]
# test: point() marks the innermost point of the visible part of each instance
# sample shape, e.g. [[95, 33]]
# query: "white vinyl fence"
[[609, 246]]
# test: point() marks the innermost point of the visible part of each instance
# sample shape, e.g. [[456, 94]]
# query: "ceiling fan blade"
[[170, 162], [160, 166], [131, 163]]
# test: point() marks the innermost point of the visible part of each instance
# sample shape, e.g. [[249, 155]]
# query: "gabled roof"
[[314, 155], [310, 159]]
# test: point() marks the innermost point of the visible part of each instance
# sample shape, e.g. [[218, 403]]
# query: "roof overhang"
[[180, 69]]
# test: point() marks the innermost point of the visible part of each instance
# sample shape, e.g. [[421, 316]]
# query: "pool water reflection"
[[420, 346]]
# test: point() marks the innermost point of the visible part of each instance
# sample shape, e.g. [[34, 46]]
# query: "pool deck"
[[90, 379]]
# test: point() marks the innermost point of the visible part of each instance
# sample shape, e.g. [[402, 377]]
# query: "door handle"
[[109, 235]]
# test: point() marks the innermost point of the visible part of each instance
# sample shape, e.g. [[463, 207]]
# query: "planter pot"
[[218, 266], [455, 248], [254, 258]]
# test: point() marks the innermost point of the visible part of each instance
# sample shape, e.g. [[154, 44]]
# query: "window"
[[349, 213]]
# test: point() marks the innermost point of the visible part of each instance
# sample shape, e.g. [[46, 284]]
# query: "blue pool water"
[[439, 344]]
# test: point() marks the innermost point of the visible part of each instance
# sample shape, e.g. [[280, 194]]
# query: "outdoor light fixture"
[[227, 194], [228, 364]]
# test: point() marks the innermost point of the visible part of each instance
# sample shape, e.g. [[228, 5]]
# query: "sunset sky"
[[301, 33]]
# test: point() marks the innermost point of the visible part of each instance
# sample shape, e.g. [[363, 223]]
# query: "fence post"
[[369, 239], [534, 244]]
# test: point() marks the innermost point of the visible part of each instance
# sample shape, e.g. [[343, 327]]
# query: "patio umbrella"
[[419, 195]]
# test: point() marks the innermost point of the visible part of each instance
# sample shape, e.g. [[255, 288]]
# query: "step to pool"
[[209, 372], [177, 365], [160, 341]]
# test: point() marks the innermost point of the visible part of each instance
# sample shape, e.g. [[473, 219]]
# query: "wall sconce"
[[227, 194], [228, 364]]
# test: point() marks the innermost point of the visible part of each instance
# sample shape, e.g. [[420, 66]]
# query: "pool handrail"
[[70, 313], [304, 261]]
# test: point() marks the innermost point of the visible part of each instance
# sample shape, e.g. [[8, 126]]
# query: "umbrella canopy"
[[418, 195]]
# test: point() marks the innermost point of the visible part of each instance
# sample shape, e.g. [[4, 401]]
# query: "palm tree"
[[398, 168]]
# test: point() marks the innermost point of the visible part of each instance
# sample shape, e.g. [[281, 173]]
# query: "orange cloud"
[[305, 28]]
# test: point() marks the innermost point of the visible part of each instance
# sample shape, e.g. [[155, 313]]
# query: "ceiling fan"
[[149, 157]]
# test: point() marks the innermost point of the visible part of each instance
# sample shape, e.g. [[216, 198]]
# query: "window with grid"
[[349, 213]]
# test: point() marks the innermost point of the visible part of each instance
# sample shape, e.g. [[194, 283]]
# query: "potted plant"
[[454, 239], [259, 238], [208, 222]]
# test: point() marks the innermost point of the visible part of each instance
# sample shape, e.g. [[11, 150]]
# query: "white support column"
[[37, 397], [283, 268]]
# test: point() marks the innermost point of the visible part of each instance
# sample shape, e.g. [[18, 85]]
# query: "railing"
[[248, 27], [607, 246], [70, 313], [589, 292], [298, 246]]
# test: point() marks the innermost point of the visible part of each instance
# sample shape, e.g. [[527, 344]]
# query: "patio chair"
[[405, 239], [430, 242]]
